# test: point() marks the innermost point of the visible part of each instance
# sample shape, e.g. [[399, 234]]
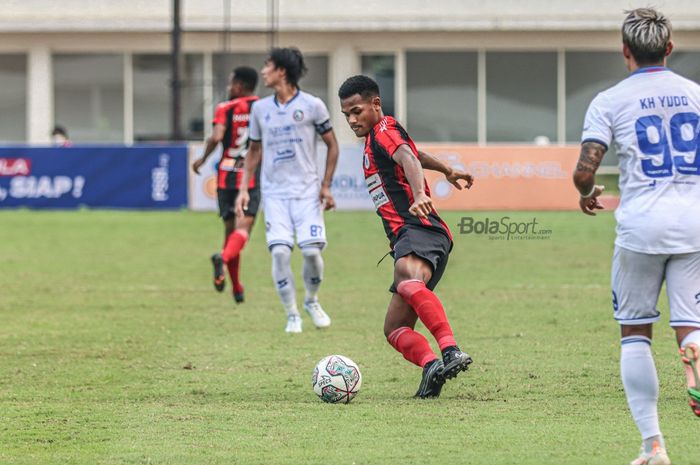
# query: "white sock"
[[283, 277], [641, 384], [312, 271], [693, 337]]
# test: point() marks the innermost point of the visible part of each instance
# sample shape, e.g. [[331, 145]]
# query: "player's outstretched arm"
[[422, 205], [211, 143], [331, 162], [592, 154], [433, 163], [250, 164]]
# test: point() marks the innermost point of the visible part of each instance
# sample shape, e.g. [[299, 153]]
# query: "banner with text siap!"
[[150, 177]]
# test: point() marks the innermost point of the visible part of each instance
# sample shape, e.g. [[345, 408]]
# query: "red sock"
[[232, 256], [234, 244], [233, 268], [429, 309], [414, 347]]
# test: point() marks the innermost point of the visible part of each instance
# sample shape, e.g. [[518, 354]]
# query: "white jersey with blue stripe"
[[289, 134], [653, 119]]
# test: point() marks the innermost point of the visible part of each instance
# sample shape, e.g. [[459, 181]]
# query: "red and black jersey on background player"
[[387, 183], [234, 115]]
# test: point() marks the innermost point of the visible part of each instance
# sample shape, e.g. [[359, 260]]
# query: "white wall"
[[325, 15]]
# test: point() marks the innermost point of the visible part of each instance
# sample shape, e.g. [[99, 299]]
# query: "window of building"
[[13, 98], [687, 64], [382, 68], [316, 80], [152, 97], [521, 98], [89, 96], [587, 74], [442, 96]]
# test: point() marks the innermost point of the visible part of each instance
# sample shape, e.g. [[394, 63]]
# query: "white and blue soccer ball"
[[336, 379]]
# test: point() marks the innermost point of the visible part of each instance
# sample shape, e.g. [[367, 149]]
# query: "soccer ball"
[[336, 379]]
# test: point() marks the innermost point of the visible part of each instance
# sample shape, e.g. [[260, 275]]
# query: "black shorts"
[[227, 201], [430, 245]]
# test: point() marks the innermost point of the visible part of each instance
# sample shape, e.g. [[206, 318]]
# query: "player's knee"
[[280, 253], [390, 328], [409, 287], [229, 225], [683, 331], [412, 267], [311, 251], [636, 330], [245, 223]]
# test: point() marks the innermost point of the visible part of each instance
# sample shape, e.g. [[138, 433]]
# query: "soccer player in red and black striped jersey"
[[420, 241], [231, 130]]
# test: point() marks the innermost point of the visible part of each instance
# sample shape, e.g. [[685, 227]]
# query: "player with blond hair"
[[653, 119]]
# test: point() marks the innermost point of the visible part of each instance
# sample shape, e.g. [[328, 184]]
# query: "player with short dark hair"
[[284, 132], [420, 240], [231, 129]]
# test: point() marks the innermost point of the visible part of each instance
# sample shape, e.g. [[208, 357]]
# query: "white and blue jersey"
[[653, 119], [289, 134]]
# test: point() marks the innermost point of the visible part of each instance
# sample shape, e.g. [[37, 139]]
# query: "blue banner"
[[94, 176]]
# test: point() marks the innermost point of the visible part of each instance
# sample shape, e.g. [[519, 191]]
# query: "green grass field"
[[115, 349]]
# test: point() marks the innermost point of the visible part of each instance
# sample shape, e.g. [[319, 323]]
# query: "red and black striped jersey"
[[387, 183], [234, 115]]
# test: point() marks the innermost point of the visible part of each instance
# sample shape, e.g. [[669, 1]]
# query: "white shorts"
[[636, 285], [286, 217]]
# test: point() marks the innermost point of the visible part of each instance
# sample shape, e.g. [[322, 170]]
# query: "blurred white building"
[[463, 71]]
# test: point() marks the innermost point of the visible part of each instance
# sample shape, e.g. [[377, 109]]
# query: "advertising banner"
[[506, 178], [93, 176], [349, 189], [202, 186]]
